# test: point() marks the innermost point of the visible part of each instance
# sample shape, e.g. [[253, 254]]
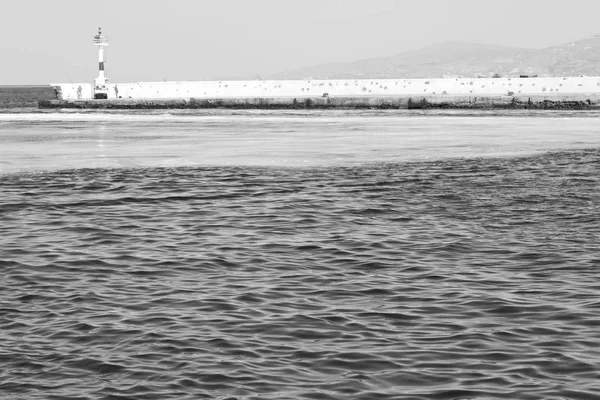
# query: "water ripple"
[[455, 279]]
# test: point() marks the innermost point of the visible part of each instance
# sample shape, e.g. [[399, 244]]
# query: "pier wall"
[[73, 91], [340, 88], [545, 102]]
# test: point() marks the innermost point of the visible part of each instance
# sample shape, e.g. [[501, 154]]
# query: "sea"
[[254, 254]]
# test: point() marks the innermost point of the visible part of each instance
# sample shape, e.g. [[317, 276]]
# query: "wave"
[[450, 279], [28, 114]]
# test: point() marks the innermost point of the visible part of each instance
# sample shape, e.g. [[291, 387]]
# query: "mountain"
[[458, 59]]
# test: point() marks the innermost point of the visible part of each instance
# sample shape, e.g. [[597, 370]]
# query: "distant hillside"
[[454, 59]]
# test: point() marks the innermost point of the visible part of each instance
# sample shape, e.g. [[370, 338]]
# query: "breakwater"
[[538, 93], [421, 102]]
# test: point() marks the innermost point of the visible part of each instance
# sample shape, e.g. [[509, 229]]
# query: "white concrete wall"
[[74, 91], [361, 87]]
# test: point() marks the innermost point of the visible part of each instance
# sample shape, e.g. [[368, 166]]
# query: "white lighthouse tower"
[[101, 82]]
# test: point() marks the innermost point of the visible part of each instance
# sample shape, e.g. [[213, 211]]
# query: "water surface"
[[293, 256]]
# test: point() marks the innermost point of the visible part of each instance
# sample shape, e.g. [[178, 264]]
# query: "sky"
[[45, 41]]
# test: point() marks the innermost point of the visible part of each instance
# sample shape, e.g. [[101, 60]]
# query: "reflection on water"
[[53, 141]]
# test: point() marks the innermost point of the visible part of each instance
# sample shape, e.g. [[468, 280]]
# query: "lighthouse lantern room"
[[101, 82]]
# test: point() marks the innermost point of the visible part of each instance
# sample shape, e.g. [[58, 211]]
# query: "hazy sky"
[[44, 41]]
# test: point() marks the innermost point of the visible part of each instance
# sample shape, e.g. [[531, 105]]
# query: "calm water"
[[271, 255]]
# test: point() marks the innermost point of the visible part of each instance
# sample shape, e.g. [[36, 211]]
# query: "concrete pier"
[[573, 102], [543, 93], [510, 92]]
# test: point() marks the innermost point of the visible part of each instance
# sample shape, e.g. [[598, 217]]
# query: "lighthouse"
[[101, 82]]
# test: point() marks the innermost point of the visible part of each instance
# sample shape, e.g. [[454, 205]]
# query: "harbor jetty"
[[477, 93], [536, 93]]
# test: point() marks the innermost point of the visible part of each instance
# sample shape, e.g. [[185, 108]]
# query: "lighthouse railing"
[[103, 41]]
